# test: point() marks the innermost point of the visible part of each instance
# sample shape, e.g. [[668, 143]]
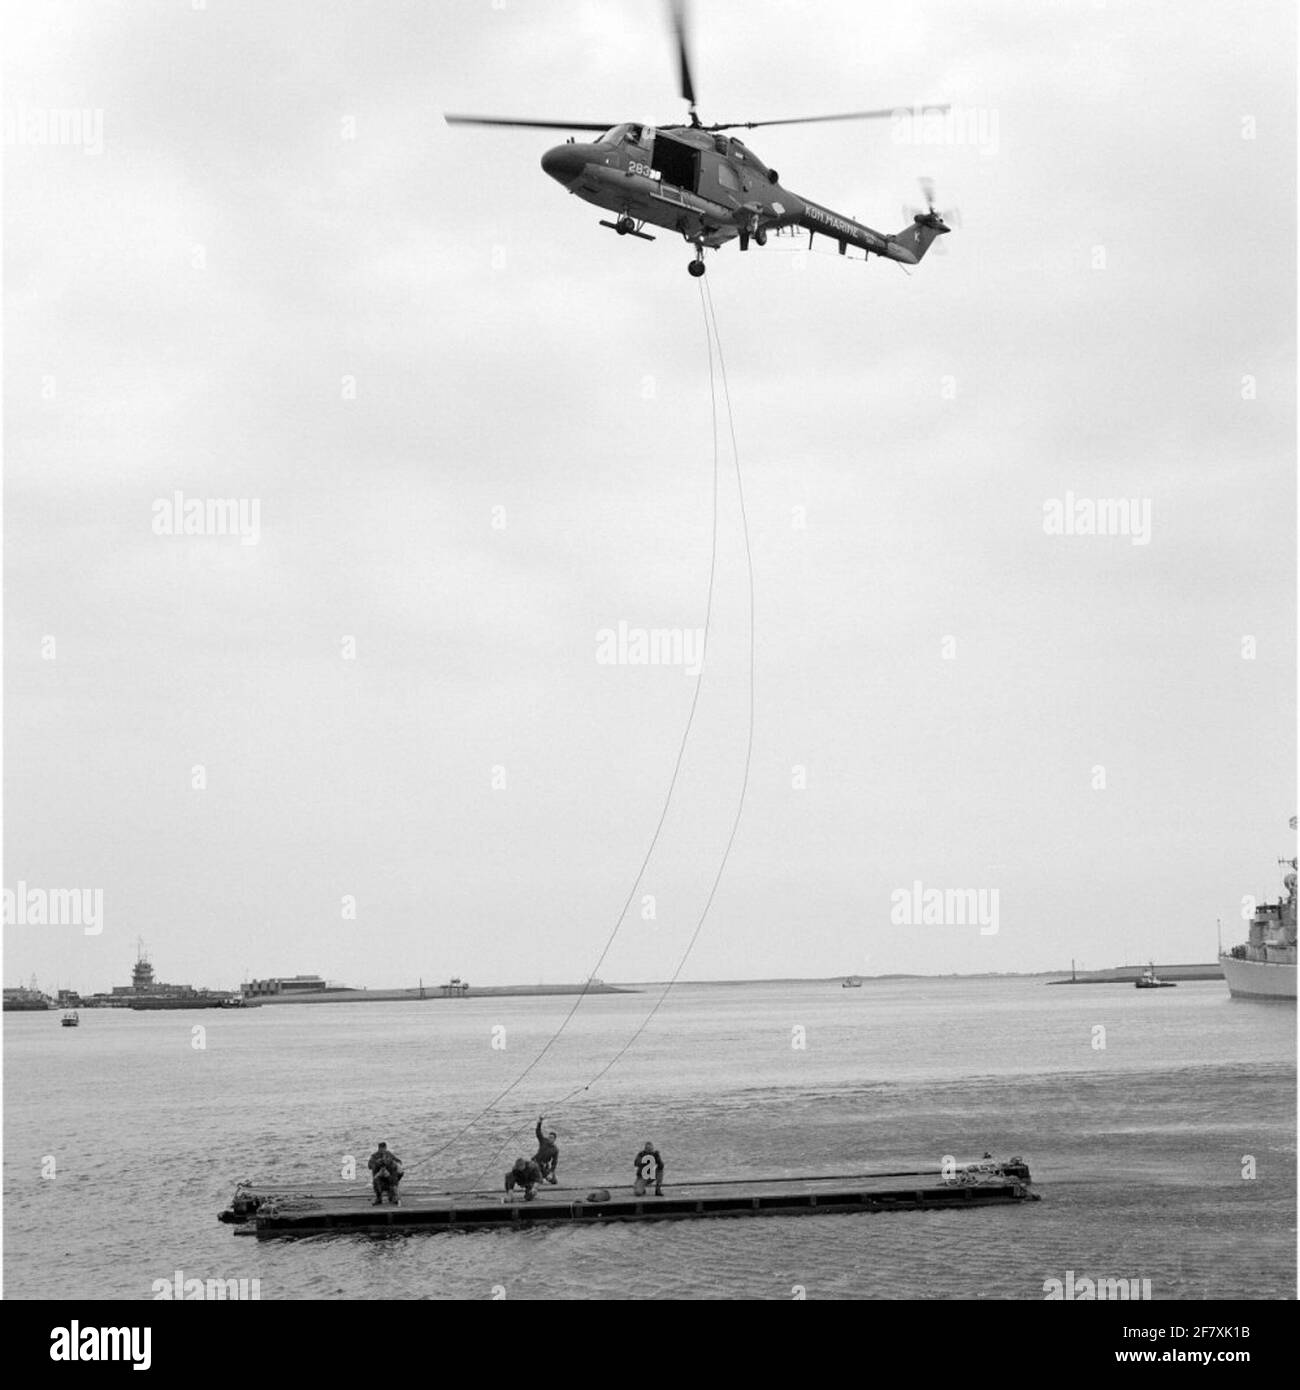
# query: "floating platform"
[[299, 1212]]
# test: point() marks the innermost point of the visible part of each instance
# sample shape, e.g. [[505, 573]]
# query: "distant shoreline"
[[1126, 974], [1120, 974], [430, 993]]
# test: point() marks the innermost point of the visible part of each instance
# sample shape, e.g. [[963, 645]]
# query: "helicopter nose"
[[564, 163]]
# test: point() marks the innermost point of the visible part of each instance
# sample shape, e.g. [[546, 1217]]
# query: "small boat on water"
[[1148, 979], [851, 982], [70, 1020]]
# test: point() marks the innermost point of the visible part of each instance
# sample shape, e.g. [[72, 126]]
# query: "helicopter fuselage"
[[711, 189]]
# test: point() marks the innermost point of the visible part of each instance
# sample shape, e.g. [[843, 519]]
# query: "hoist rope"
[[710, 335], [714, 342]]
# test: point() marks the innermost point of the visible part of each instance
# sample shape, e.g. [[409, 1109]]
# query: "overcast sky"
[[477, 429]]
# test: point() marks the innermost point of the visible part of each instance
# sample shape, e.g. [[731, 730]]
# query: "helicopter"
[[706, 185]]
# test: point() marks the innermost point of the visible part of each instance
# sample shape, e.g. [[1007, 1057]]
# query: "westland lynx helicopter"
[[709, 187]]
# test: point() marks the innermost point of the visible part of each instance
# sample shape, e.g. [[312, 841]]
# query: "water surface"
[[1138, 1112]]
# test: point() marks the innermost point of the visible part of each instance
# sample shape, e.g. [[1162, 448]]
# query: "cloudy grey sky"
[[277, 276]]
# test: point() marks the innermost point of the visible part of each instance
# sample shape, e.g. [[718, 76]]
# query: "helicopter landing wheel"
[[696, 268], [760, 237], [624, 225]]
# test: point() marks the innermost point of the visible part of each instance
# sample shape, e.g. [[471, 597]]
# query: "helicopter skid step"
[[623, 229]]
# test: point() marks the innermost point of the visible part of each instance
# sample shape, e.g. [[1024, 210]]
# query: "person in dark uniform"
[[548, 1152], [648, 1164], [386, 1173], [525, 1174]]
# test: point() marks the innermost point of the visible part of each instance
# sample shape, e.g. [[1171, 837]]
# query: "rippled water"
[[1138, 1147]]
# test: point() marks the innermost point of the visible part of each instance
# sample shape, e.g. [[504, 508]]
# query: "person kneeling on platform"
[[648, 1164], [386, 1173], [547, 1156], [525, 1174]]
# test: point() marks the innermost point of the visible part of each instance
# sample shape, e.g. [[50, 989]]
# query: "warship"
[[1263, 966]]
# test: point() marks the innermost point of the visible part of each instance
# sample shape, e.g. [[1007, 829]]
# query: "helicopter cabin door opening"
[[719, 179], [677, 163]]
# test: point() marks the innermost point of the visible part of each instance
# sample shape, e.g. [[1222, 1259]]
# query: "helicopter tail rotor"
[[926, 227], [939, 221]]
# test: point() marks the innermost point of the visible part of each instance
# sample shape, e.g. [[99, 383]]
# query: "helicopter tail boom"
[[907, 246], [913, 242], [823, 222]]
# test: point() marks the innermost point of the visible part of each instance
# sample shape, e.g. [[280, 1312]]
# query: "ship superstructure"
[[1263, 966]]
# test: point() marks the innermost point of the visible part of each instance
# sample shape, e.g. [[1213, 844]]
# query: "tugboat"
[[1148, 979], [70, 1020], [1263, 966]]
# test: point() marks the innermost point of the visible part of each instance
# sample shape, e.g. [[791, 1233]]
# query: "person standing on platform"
[[548, 1152], [647, 1165]]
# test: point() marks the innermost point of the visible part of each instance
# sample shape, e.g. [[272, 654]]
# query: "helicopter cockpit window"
[[634, 135], [613, 136]]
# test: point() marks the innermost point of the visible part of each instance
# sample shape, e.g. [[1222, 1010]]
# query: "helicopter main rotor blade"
[[677, 10], [532, 125], [813, 120]]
